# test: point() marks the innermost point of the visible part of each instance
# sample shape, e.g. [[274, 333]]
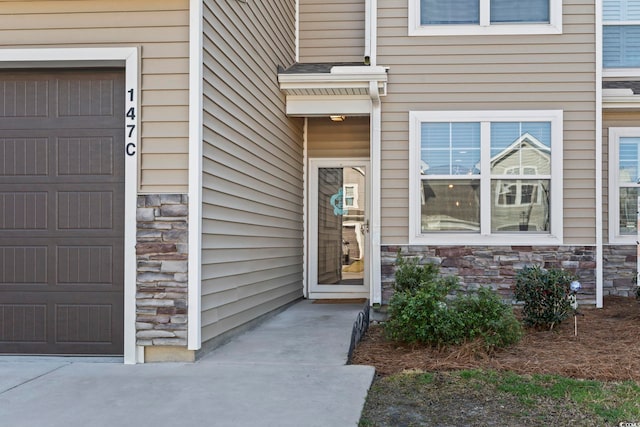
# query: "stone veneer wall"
[[162, 259], [495, 266], [619, 270]]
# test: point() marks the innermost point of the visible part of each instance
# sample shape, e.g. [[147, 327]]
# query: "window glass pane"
[[621, 46], [450, 148], [628, 208], [521, 148], [450, 205], [628, 160], [506, 11], [621, 10], [520, 205], [438, 12]]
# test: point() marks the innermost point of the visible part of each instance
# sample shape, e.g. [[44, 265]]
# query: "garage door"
[[61, 211]]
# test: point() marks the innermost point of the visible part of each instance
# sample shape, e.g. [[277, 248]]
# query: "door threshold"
[[340, 301]]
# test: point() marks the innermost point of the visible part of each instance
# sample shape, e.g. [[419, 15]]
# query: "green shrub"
[[424, 315], [410, 274], [487, 317], [545, 295], [423, 310]]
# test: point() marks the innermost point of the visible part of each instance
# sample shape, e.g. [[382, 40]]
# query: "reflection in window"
[[450, 157], [628, 209], [453, 170], [520, 151], [628, 181], [350, 194], [451, 205]]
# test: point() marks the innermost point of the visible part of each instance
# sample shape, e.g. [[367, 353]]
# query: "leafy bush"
[[424, 310], [423, 315], [410, 274], [545, 295], [487, 317]]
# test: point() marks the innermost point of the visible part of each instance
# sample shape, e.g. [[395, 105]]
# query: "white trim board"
[[194, 332], [104, 57]]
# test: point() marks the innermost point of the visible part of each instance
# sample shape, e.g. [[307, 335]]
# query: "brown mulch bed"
[[607, 348]]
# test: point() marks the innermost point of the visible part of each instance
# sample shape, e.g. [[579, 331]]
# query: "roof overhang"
[[345, 90]]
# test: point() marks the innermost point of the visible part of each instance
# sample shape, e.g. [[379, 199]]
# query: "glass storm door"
[[339, 228]]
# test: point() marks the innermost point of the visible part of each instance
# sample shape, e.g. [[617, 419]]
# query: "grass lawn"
[[491, 398]]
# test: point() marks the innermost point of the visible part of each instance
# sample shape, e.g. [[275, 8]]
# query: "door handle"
[[365, 226]]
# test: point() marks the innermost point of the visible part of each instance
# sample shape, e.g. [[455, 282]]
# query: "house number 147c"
[[130, 117]]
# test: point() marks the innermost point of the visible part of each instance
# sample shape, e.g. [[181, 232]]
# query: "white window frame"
[[614, 186], [485, 27], [555, 236]]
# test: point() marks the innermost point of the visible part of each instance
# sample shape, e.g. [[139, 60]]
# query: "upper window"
[[621, 34], [624, 184], [486, 176], [459, 17]]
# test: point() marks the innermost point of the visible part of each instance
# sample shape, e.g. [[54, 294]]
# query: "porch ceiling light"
[[337, 118]]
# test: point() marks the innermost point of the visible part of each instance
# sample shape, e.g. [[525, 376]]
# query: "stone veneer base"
[[162, 270], [495, 266], [620, 263]]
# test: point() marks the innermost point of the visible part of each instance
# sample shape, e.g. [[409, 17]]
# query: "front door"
[[339, 228]]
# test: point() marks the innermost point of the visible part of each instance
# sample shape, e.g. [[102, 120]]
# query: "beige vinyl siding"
[[252, 225], [533, 72], [612, 119], [342, 139], [332, 30], [161, 29]]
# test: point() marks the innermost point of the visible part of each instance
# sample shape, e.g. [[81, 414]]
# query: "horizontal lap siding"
[[332, 30], [349, 138], [490, 73], [162, 31], [252, 166]]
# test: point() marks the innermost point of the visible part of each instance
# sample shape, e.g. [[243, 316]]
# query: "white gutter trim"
[[305, 209], [367, 29], [598, 158], [620, 98], [194, 340], [373, 34], [297, 30], [333, 78]]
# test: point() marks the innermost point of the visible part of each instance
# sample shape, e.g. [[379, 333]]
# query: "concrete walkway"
[[289, 371]]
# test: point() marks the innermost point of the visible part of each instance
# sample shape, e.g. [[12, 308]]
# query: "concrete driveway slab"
[[288, 371]]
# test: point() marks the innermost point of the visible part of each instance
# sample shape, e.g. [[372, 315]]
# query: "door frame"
[[313, 290]]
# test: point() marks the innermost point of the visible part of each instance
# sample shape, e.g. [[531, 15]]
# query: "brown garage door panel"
[[54, 155], [64, 265], [60, 94], [84, 322], [62, 211]]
